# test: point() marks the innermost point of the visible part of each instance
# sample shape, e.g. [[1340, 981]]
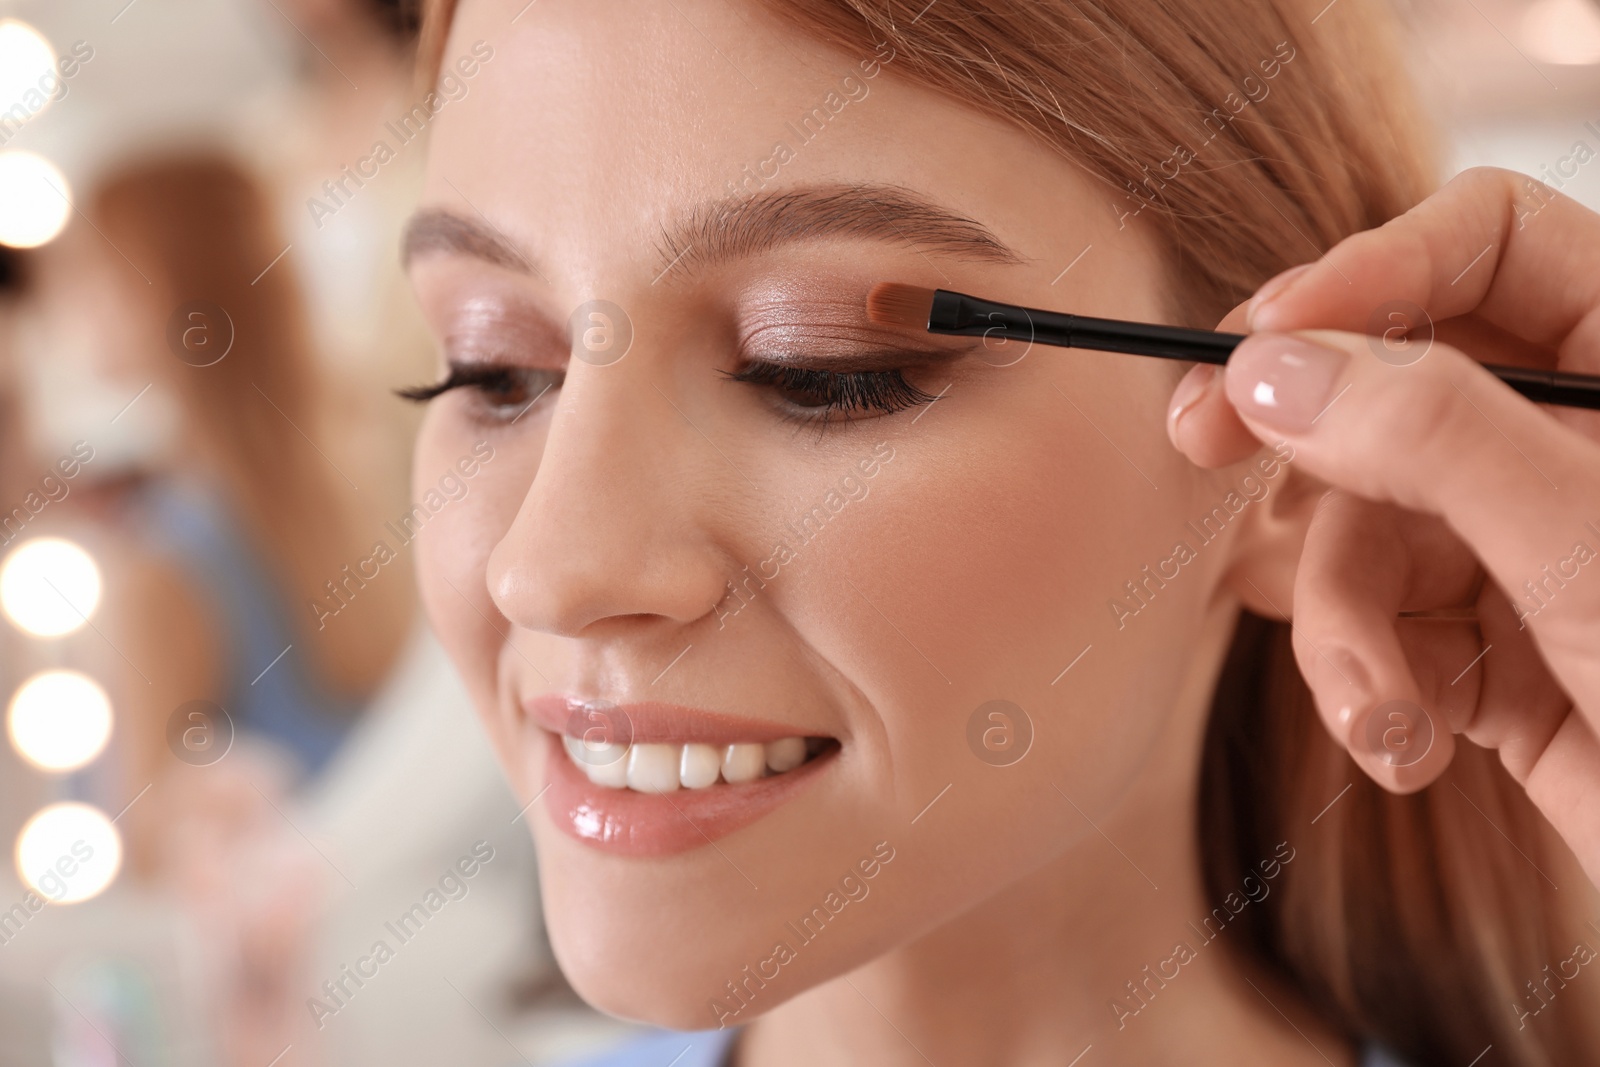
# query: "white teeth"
[[699, 766], [653, 768], [605, 764], [663, 768], [744, 763], [608, 766], [786, 754]]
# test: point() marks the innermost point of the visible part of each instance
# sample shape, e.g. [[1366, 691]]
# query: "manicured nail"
[[1399, 733], [1275, 287], [1283, 381], [1190, 391]]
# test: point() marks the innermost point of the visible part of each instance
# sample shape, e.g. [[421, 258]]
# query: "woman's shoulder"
[[702, 1048]]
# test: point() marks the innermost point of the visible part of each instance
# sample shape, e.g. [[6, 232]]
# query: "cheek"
[[453, 547], [979, 567]]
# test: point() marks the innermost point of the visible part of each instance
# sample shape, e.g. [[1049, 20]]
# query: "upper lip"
[[652, 722]]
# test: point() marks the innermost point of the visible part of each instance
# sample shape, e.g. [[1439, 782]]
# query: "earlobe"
[[1266, 554]]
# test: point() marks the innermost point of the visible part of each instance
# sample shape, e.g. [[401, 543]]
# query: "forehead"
[[671, 82], [598, 124]]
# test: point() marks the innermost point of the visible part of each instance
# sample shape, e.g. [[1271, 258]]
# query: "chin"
[[656, 971], [675, 943]]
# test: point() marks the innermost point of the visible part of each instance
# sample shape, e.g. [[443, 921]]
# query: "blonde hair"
[[1252, 135]]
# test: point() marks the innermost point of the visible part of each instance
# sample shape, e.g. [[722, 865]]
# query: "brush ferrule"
[[960, 315]]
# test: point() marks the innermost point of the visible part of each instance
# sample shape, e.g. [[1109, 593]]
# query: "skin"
[[596, 544], [1450, 489]]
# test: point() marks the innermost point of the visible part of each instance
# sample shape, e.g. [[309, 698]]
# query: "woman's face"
[[625, 539]]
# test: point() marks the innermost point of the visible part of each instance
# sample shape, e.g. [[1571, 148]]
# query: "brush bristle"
[[895, 304]]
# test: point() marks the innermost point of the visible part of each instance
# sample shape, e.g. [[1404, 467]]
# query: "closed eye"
[[822, 396], [500, 392]]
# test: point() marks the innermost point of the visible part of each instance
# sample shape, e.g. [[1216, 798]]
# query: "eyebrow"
[[737, 227], [435, 230]]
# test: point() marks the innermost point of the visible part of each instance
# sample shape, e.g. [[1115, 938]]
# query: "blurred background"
[[251, 824]]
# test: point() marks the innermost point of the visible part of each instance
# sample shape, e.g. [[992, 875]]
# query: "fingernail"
[[1349, 680], [1190, 391], [1399, 733], [1275, 287], [1283, 381]]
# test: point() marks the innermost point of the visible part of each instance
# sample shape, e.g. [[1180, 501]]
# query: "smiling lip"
[[630, 823], [658, 824], [655, 723]]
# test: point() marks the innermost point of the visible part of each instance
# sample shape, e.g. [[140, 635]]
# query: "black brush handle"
[[968, 316]]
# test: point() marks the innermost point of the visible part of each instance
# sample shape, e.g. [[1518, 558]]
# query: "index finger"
[[1492, 242]]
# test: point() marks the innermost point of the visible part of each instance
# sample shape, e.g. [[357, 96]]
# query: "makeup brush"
[[942, 311]]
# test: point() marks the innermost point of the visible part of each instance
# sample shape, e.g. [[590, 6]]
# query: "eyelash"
[[489, 381], [840, 393]]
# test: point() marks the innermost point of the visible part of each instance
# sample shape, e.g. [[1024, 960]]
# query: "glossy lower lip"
[[654, 723], [627, 823]]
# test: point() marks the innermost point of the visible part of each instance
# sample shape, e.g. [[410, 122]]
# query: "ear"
[[1267, 551], [1203, 425], [1201, 421]]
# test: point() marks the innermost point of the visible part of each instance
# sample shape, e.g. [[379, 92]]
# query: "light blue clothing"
[[669, 1048], [283, 701], [710, 1048]]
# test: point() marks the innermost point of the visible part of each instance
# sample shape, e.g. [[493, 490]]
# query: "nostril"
[[569, 591]]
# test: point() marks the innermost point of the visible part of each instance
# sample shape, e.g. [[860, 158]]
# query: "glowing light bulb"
[[1562, 31], [27, 69], [59, 720], [35, 200], [69, 852], [49, 586]]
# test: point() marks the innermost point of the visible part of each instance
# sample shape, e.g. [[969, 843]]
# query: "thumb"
[[1437, 433]]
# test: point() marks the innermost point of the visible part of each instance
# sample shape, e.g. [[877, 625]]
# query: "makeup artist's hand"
[[1442, 476]]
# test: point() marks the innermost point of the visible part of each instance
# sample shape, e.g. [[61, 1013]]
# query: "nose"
[[617, 522]]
